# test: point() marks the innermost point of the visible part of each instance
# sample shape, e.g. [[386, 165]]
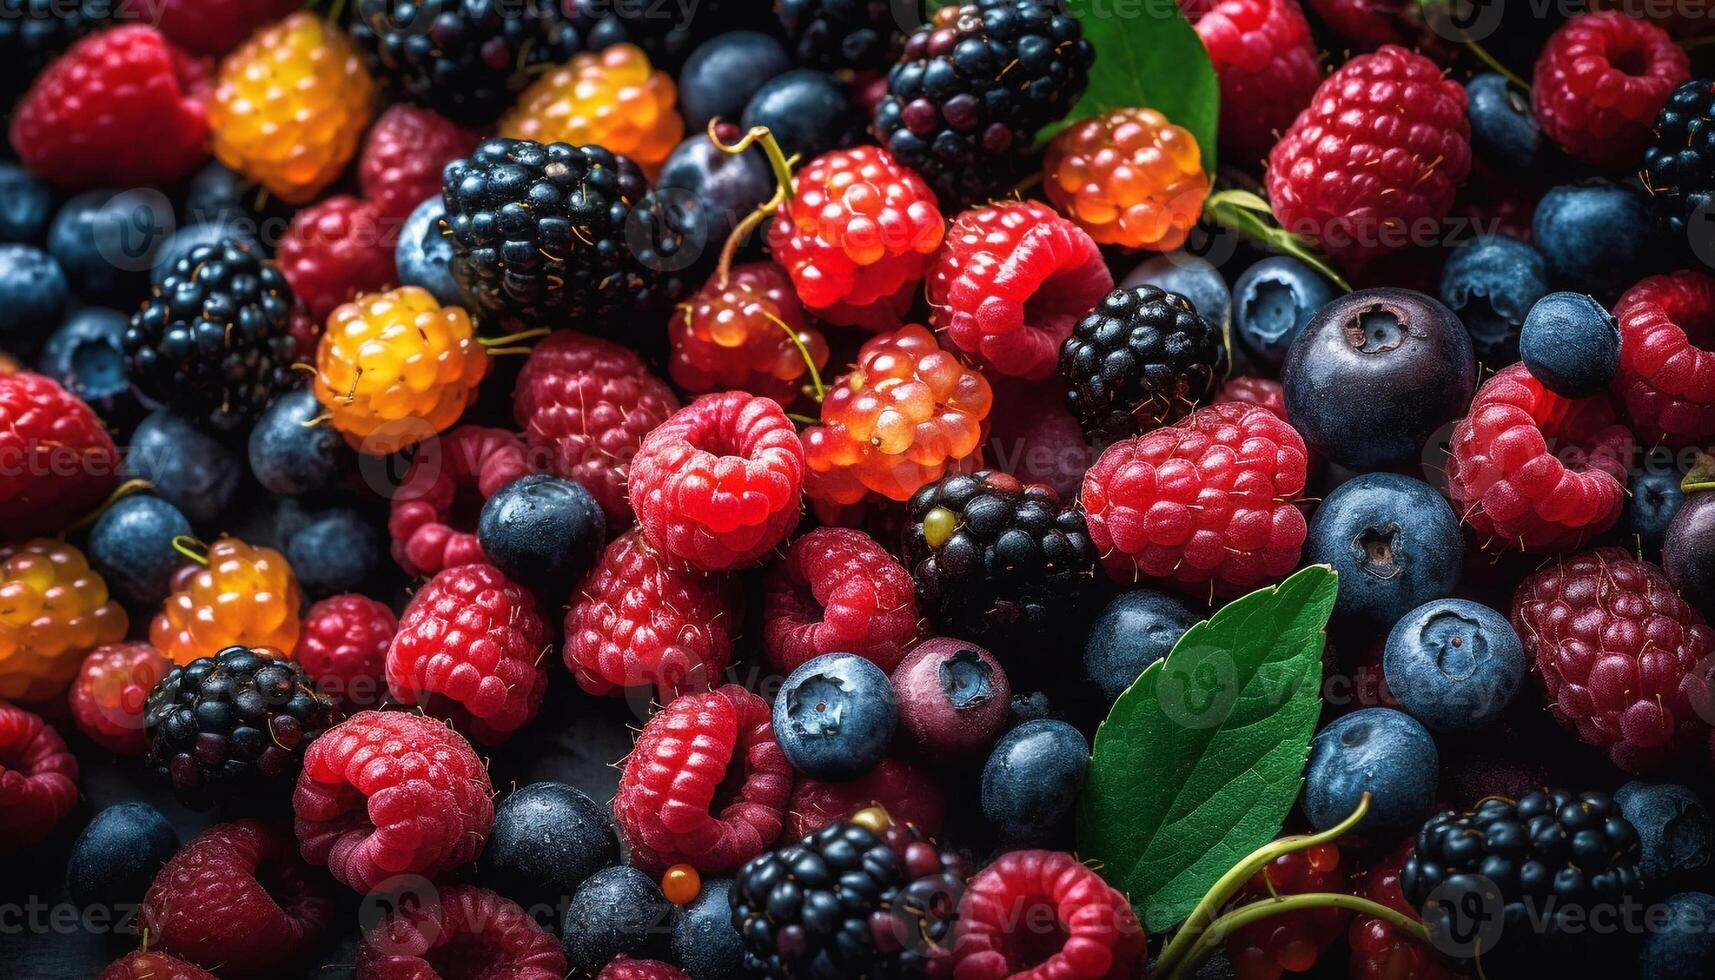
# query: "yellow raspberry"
[[397, 367], [53, 610], [1129, 178], [611, 98], [291, 105], [242, 596]]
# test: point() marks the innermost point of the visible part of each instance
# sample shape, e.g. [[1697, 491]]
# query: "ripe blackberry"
[[34, 32], [213, 341], [233, 723], [993, 557], [831, 34], [1679, 164], [972, 89], [1142, 358]]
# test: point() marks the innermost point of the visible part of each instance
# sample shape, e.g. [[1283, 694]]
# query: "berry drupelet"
[[1679, 164], [1142, 358]]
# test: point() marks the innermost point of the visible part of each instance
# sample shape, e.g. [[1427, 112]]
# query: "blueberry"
[[809, 112], [218, 194], [1653, 497], [1376, 750], [87, 355], [543, 531], [1031, 782], [1593, 235], [1688, 551], [1394, 541], [182, 242], [118, 854], [424, 255], [26, 205], [726, 186], [1675, 828], [1272, 302], [1502, 127], [1375, 373], [287, 456], [952, 698], [33, 297], [106, 241], [1571, 344], [1136, 629], [548, 838], [1453, 665], [337, 551], [131, 545], [190, 470], [1190, 276], [723, 73], [1681, 946], [616, 911], [705, 943], [834, 716], [1492, 281]]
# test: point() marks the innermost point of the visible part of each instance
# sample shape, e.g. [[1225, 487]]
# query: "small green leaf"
[[1200, 759]]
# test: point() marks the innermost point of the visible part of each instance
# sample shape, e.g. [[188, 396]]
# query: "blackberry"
[[35, 32], [973, 87], [668, 32], [212, 341], [1142, 358], [233, 724], [832, 34], [1679, 166], [869, 898]]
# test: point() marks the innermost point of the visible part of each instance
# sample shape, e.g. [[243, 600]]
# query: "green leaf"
[[1200, 759]]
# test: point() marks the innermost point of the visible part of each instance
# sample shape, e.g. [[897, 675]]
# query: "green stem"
[[776, 156], [804, 352], [1248, 216], [1494, 65], [1267, 908]]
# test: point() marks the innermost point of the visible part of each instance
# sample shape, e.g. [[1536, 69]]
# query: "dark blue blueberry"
[[424, 254], [1454, 665], [131, 545], [33, 297], [1682, 945], [809, 112], [87, 355], [291, 457], [337, 551], [543, 531], [1593, 235], [548, 838], [834, 716], [1136, 629], [118, 854], [1652, 499], [723, 73], [1394, 541], [106, 241], [218, 194], [1031, 782], [1272, 302], [1676, 830], [1376, 750], [725, 186], [1492, 281], [26, 206], [705, 944], [1192, 277], [1502, 128], [617, 911], [181, 243], [1571, 344], [190, 469]]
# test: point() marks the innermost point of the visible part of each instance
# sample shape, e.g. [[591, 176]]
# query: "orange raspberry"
[[53, 610], [1128, 178], [611, 98], [906, 415], [291, 105], [738, 335], [242, 596]]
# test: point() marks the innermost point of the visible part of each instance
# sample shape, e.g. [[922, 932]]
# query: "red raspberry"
[[720, 483], [56, 460], [591, 402], [1599, 82], [1379, 950], [152, 965], [1210, 501], [1369, 24], [448, 481], [403, 157], [1290, 943], [1620, 655], [38, 777], [857, 236], [1267, 64], [335, 250], [678, 773], [217, 26], [470, 648], [1667, 359], [237, 899], [343, 647], [122, 107], [108, 696], [626, 968], [1680, 20], [1265, 392], [1381, 149], [1536, 471], [1010, 281], [837, 591], [908, 794], [1098, 936], [459, 931], [738, 334], [306, 332], [386, 793]]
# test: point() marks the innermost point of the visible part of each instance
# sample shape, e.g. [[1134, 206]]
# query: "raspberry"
[[150, 965], [1290, 943], [236, 898], [1267, 64], [1129, 178], [215, 27], [449, 479], [53, 609], [1599, 82], [122, 106], [639, 619], [837, 591], [335, 251], [391, 793], [397, 367], [1099, 938], [1369, 24], [291, 105], [611, 98], [1034, 438], [1382, 147], [626, 968], [1667, 358], [1142, 358], [720, 483], [1620, 655], [1536, 471], [462, 931], [1009, 282], [1209, 501], [736, 334], [403, 157], [242, 596], [343, 647], [108, 696], [907, 414], [703, 752], [1379, 950], [60, 461], [38, 777], [470, 647], [1265, 392], [857, 236], [908, 794]]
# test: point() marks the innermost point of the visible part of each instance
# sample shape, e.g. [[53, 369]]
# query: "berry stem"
[[512, 338], [1249, 216], [1443, 10], [804, 352], [741, 231], [119, 493], [776, 156], [1267, 908], [191, 548]]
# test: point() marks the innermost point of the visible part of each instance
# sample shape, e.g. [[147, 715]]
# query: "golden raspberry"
[[53, 609], [611, 98], [394, 368], [1128, 178], [291, 105], [242, 596]]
